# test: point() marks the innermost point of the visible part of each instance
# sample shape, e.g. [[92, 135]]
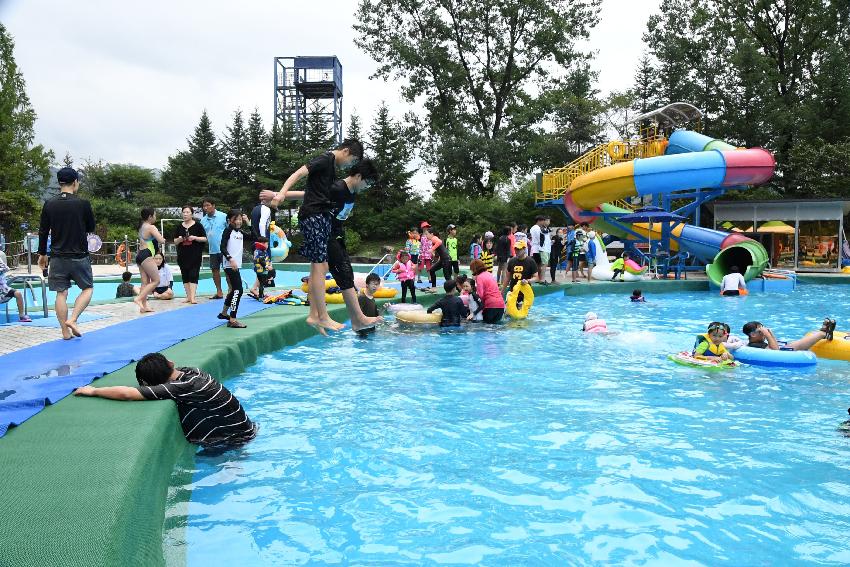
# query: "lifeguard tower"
[[298, 80]]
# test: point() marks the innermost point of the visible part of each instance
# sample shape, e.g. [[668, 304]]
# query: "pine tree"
[[354, 131], [646, 85], [317, 135], [258, 142], [67, 161], [24, 167], [193, 172], [235, 150], [391, 152]]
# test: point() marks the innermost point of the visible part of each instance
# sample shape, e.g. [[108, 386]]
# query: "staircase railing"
[[382, 268], [557, 181]]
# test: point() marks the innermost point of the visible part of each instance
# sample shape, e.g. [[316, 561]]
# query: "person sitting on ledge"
[[761, 337], [209, 414]]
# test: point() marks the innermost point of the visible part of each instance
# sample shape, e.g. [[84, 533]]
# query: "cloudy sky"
[[127, 81]]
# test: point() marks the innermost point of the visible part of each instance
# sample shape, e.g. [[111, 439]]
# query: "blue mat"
[[34, 377]]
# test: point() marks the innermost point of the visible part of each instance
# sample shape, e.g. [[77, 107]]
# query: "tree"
[[389, 148], [257, 151], [476, 68], [354, 128], [645, 87], [67, 161], [235, 151], [317, 134], [125, 182], [191, 173], [24, 167]]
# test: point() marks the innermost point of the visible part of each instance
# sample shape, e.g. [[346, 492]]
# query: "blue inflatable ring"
[[767, 357]]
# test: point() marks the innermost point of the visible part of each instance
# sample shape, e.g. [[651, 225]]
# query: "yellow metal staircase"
[[557, 181]]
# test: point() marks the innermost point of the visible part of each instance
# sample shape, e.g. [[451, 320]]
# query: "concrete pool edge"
[[86, 480]]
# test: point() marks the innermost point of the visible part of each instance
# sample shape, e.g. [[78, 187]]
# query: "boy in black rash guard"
[[314, 220], [232, 241], [451, 305], [342, 194], [209, 414], [261, 219]]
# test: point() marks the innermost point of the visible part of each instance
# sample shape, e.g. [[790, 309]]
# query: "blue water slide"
[[673, 172]]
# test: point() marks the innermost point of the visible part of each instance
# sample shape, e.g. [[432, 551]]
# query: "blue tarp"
[[44, 374]]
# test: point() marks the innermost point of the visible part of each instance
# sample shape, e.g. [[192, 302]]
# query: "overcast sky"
[[127, 81]]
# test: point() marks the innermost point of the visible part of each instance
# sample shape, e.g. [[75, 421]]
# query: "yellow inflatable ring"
[[527, 301], [617, 150], [419, 317], [328, 284], [385, 292], [334, 298]]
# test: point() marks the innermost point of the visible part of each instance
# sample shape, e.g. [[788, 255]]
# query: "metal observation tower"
[[301, 80]]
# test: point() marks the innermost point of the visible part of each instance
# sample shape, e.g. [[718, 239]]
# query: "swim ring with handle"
[[511, 302]]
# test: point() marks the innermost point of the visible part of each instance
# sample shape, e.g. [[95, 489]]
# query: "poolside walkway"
[[17, 337]]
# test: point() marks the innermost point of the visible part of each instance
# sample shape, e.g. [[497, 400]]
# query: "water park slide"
[[690, 161]]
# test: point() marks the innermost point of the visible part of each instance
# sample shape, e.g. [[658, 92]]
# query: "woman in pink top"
[[405, 272], [488, 291]]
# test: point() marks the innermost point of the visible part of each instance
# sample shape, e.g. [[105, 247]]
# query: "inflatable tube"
[[846, 269], [419, 317], [687, 359], [385, 292], [767, 357], [278, 243], [741, 292], [328, 284], [527, 301], [595, 326], [836, 349], [122, 256], [399, 307], [633, 267]]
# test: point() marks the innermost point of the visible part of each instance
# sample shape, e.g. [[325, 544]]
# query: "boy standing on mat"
[[360, 177], [314, 220]]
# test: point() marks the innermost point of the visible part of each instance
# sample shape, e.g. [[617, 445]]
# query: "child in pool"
[[474, 303], [637, 297], [710, 345], [366, 300], [593, 324], [451, 306]]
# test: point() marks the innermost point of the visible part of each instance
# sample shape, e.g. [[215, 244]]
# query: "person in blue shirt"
[[214, 223]]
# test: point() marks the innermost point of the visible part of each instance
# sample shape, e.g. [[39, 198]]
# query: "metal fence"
[[21, 255]]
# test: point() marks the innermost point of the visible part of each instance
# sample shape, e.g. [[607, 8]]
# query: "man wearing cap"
[[68, 220], [521, 268]]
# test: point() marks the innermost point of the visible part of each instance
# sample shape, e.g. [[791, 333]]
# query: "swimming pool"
[[534, 444], [104, 290]]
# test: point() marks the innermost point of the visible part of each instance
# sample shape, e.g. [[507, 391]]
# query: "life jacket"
[[595, 326], [712, 350], [618, 264]]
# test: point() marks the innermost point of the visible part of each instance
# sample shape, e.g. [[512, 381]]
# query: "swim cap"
[[590, 315], [591, 235]]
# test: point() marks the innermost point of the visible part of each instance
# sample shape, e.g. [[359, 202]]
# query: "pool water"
[[531, 443], [105, 290]]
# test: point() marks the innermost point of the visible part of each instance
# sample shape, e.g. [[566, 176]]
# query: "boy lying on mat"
[[209, 414]]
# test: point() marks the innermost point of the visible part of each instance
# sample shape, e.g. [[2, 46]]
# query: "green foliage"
[[767, 73], [197, 170], [24, 167], [118, 216], [355, 129], [476, 68], [352, 241], [235, 151], [129, 183]]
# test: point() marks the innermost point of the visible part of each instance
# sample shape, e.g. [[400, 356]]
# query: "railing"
[[27, 281], [557, 181], [382, 269]]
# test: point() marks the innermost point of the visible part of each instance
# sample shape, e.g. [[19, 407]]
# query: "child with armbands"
[[710, 345]]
